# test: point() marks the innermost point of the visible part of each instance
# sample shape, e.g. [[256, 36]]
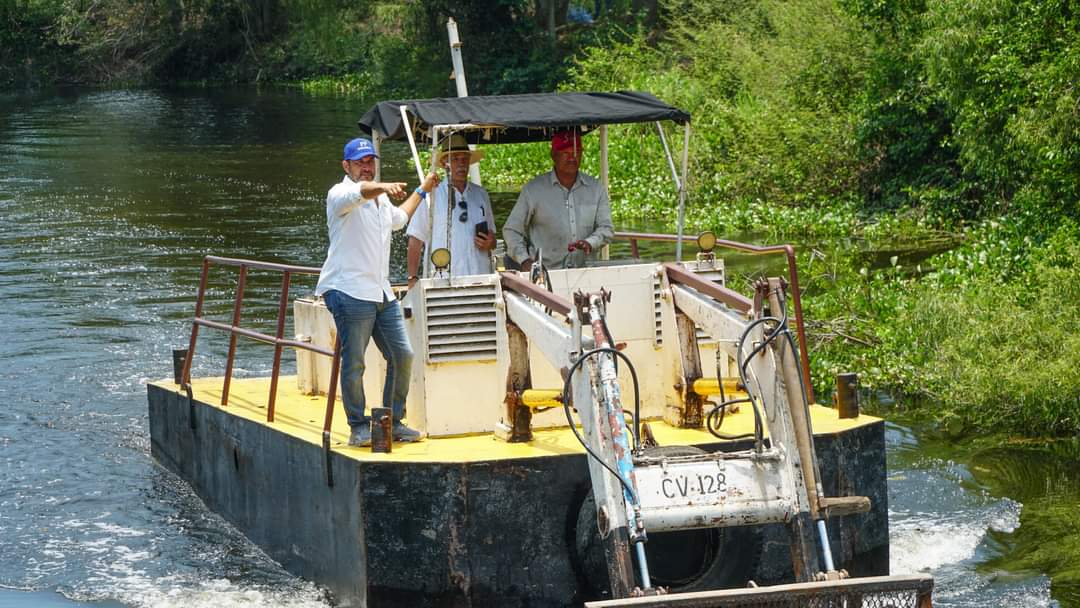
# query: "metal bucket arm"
[[766, 381], [904, 591]]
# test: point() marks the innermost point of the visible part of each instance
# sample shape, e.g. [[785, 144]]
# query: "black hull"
[[479, 533]]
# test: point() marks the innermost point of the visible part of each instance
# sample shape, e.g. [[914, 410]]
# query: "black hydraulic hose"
[[769, 337], [570, 419], [781, 328], [802, 382], [742, 363], [714, 425], [636, 430]]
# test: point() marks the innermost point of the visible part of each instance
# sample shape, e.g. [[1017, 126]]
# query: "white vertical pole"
[[667, 155], [604, 157], [412, 142], [429, 270], [682, 190], [460, 83], [455, 57], [377, 142], [605, 253]]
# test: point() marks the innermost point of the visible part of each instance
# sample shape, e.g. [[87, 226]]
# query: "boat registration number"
[[690, 483], [684, 486]]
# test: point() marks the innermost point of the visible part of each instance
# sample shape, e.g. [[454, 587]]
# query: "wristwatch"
[[423, 193], [411, 277]]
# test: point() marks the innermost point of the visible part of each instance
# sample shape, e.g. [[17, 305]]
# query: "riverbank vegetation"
[[877, 132], [925, 153]]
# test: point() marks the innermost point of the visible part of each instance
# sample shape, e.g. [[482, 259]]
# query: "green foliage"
[[903, 126], [985, 338], [768, 83], [29, 53], [1008, 71], [384, 47]]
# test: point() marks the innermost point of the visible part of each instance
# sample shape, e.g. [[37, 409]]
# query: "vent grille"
[[461, 323], [716, 275]]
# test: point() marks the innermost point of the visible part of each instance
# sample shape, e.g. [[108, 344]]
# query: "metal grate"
[[873, 592], [461, 323], [716, 275]]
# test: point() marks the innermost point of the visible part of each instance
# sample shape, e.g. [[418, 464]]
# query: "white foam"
[[920, 544], [923, 541], [179, 592], [122, 565]]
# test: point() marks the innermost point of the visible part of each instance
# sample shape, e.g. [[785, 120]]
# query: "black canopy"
[[518, 118]]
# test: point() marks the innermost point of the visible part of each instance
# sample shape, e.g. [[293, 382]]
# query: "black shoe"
[[404, 434], [360, 437]]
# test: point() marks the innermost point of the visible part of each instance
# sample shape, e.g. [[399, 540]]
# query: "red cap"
[[564, 140]]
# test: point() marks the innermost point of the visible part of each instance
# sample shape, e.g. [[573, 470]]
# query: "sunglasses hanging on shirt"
[[464, 217]]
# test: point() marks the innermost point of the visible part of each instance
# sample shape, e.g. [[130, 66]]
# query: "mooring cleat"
[[404, 434], [360, 437]]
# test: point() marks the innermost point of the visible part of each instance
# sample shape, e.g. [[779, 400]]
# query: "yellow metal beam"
[[534, 398], [711, 386]]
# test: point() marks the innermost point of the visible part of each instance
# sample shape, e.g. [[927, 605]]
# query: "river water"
[[109, 200]]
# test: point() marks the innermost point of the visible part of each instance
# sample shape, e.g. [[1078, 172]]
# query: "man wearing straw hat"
[[355, 285], [563, 214], [462, 210]]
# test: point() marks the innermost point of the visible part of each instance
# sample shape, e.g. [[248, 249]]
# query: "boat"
[[703, 462]]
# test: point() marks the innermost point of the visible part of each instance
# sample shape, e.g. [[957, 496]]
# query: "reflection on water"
[[948, 516], [109, 201]]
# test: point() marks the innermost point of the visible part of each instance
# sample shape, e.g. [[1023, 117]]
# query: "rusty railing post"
[[800, 328], [328, 418], [283, 306], [185, 375], [238, 304]]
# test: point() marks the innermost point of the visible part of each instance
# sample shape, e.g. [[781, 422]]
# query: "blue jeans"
[[357, 322]]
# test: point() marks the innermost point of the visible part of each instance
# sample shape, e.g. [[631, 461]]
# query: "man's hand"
[[395, 190], [430, 182], [582, 245], [484, 242]]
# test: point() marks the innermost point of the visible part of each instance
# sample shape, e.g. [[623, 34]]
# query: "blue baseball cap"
[[359, 148]]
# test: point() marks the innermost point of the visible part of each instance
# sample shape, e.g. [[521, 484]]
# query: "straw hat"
[[457, 143]]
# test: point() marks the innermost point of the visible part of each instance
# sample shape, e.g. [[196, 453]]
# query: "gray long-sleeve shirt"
[[549, 217]]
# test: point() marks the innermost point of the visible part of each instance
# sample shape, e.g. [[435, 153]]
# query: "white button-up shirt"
[[358, 260], [465, 258]]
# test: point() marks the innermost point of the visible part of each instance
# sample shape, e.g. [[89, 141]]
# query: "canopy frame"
[[408, 123]]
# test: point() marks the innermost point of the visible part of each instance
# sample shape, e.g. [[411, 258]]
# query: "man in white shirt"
[[355, 285], [468, 217]]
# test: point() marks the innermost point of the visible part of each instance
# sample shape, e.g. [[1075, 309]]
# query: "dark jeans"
[[357, 322]]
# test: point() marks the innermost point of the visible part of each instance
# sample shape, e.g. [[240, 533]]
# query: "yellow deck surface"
[[301, 416]]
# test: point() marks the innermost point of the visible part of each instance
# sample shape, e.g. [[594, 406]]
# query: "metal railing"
[[552, 301], [793, 280], [278, 340], [509, 281]]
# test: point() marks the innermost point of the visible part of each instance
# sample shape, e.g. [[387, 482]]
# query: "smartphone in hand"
[[481, 228]]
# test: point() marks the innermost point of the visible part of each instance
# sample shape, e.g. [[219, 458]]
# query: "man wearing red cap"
[[565, 214]]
